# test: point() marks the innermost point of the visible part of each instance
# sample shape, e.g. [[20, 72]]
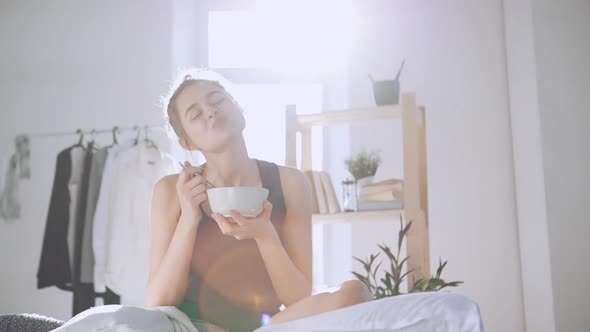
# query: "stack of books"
[[382, 195], [324, 195]]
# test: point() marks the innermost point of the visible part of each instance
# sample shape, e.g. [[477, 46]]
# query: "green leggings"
[[191, 309], [236, 322]]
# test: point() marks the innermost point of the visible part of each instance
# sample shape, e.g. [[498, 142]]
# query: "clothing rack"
[[81, 292], [114, 130]]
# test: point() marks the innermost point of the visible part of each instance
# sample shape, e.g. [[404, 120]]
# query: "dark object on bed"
[[28, 323]]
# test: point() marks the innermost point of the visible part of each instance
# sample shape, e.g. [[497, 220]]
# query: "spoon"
[[209, 183]]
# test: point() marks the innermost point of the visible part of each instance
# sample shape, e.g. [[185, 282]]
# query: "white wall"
[[548, 51], [67, 65], [528, 167], [562, 48], [455, 62]]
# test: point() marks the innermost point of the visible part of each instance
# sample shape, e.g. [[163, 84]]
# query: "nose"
[[212, 111]]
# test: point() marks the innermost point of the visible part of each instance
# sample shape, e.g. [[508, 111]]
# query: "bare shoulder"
[[291, 177], [295, 184], [168, 181], [165, 193], [167, 184]]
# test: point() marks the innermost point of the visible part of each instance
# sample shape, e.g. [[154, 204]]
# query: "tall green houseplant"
[[389, 285]]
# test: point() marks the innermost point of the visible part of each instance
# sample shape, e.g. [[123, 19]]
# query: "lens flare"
[[264, 319]]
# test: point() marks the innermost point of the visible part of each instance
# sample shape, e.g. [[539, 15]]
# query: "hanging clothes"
[[96, 240], [54, 265], [10, 208], [135, 173], [86, 276], [77, 154], [62, 250], [24, 154], [84, 297], [10, 173], [101, 217], [94, 186]]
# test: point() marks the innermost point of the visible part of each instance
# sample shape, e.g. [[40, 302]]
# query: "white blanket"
[[432, 311], [118, 318]]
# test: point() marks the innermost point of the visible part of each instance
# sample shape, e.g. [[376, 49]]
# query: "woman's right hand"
[[192, 191]]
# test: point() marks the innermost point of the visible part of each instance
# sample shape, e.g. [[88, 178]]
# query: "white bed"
[[433, 312]]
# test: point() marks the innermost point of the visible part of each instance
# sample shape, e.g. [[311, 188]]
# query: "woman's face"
[[209, 115]]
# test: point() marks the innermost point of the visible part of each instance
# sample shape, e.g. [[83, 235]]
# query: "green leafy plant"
[[363, 164], [389, 285]]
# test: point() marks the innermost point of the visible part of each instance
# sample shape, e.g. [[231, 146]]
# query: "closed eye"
[[192, 112], [195, 114]]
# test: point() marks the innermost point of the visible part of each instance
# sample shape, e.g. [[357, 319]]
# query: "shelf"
[[349, 116], [412, 119], [361, 216]]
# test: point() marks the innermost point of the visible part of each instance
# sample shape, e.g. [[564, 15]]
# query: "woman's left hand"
[[242, 228]]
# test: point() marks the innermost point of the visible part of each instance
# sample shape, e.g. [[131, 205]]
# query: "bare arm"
[[174, 229], [289, 263]]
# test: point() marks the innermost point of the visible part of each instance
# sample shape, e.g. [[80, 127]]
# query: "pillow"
[[427, 311]]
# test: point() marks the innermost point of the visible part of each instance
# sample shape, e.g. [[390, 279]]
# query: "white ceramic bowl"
[[248, 201]]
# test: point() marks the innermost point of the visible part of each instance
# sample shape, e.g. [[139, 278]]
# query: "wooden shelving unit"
[[361, 216], [349, 116], [415, 204]]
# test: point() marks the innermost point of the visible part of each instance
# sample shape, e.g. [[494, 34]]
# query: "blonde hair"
[[184, 79]]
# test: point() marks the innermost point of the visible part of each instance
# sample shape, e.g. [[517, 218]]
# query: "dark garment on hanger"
[[111, 297], [84, 295], [83, 298], [54, 266]]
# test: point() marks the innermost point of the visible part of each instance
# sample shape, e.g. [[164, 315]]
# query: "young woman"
[[232, 271]]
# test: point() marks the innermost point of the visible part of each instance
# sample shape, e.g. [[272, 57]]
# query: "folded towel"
[[28, 322]]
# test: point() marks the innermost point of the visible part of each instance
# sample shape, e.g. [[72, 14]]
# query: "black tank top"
[[201, 298]]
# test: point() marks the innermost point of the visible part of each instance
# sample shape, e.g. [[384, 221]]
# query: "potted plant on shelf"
[[390, 284], [363, 166], [386, 92]]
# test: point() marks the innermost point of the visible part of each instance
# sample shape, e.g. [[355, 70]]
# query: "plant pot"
[[386, 92], [364, 181], [360, 183]]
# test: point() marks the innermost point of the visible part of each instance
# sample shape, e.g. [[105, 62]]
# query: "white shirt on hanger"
[[134, 174], [101, 216]]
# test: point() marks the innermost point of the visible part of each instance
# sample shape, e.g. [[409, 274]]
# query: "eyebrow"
[[211, 93]]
